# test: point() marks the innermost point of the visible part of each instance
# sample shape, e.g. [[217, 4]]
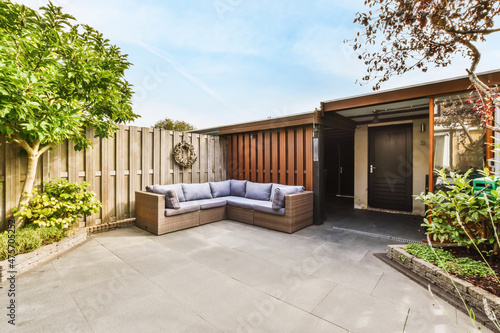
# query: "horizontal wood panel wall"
[[281, 156], [115, 168]]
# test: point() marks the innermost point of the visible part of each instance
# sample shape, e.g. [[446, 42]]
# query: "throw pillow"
[[238, 187], [220, 189], [162, 189], [196, 191], [171, 200], [279, 196], [258, 191]]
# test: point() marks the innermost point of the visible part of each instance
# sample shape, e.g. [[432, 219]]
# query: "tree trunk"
[[33, 157]]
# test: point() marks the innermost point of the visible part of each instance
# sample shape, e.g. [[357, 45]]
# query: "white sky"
[[220, 62]]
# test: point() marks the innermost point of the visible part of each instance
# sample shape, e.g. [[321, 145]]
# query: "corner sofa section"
[[274, 206]]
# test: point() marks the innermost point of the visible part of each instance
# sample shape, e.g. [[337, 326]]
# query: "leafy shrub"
[[456, 215], [30, 238], [445, 260], [60, 205]]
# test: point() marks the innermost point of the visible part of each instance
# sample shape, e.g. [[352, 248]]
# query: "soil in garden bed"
[[489, 283]]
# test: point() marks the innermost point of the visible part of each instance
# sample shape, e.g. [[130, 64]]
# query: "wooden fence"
[[115, 168], [280, 156]]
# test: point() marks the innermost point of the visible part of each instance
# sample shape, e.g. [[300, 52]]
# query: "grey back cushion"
[[221, 189], [171, 200], [162, 189], [258, 191], [238, 187], [196, 191], [275, 186], [279, 196]]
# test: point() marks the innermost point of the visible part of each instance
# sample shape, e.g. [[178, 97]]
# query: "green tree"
[[56, 78], [174, 125], [411, 34]]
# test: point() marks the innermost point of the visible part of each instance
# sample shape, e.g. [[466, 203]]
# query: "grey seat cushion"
[[186, 207], [197, 191], [162, 189], [266, 207], [221, 189], [211, 203], [258, 191], [241, 202], [275, 186], [238, 187]]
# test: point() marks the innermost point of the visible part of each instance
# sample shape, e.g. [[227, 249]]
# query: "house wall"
[[420, 162]]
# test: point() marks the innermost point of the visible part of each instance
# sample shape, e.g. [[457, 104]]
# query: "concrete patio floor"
[[226, 277]]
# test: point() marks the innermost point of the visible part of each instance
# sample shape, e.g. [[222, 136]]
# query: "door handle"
[[372, 168], [340, 170]]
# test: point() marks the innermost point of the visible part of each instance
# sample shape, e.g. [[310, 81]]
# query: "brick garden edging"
[[26, 261], [436, 276]]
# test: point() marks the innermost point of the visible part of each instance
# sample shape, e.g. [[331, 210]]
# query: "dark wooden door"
[[390, 169]]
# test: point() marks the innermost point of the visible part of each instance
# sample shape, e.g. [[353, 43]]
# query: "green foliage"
[[30, 238], [60, 205], [457, 216], [57, 78], [174, 125], [446, 261]]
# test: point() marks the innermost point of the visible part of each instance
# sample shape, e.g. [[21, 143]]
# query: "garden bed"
[[447, 285], [26, 261]]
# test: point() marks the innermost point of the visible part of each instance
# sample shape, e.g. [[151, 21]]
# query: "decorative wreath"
[[184, 160]]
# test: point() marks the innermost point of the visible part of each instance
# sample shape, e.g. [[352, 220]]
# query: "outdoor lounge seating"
[[166, 208]]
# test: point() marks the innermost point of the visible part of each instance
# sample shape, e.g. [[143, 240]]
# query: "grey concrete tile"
[[153, 313], [90, 271], [155, 262], [357, 277], [337, 251], [68, 320], [361, 313], [189, 244], [99, 299]]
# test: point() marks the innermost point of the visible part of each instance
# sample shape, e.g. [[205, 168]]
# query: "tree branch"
[[468, 32]]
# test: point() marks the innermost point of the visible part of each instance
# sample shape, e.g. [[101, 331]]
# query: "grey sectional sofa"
[[166, 208]]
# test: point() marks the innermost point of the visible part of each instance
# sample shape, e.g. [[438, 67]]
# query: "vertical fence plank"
[[275, 157], [12, 177], [145, 144], [105, 183], [260, 157], [267, 157], [253, 157], [241, 157], [282, 156], [308, 140], [156, 156], [299, 152], [164, 165], [133, 163], [177, 169], [196, 167], [72, 163], [210, 158], [291, 156], [121, 163], [90, 173], [246, 156], [220, 160]]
